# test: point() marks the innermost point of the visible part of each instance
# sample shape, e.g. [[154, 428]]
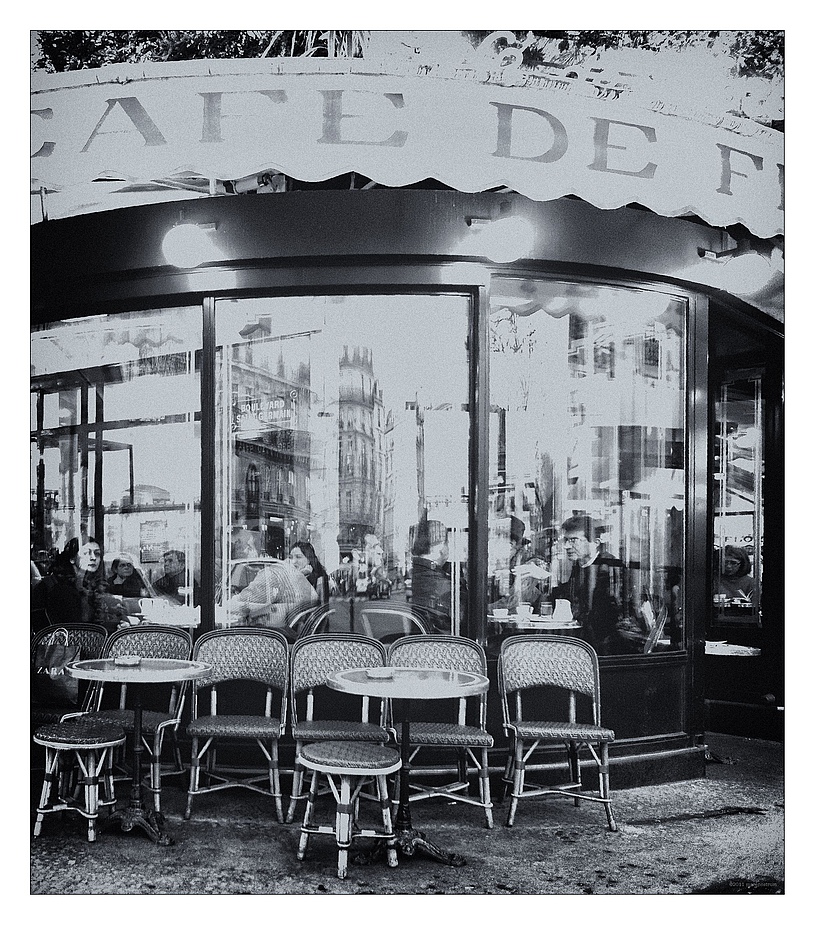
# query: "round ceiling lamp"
[[189, 245]]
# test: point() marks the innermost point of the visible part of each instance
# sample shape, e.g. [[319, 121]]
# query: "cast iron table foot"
[[410, 841], [151, 823]]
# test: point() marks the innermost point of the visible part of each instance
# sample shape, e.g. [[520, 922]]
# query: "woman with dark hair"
[[303, 557], [735, 580], [125, 580], [72, 591]]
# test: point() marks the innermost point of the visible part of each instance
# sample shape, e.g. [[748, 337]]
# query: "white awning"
[[125, 135]]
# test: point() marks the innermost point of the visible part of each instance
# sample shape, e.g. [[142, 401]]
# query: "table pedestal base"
[[408, 843], [411, 841], [151, 823]]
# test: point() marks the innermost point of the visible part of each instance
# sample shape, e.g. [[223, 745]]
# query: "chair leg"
[[179, 762], [274, 779], [195, 773], [51, 760], [518, 779], [574, 767], [484, 786], [91, 792], [605, 787], [308, 816], [343, 826], [462, 766], [110, 789], [509, 769], [387, 823], [296, 783]]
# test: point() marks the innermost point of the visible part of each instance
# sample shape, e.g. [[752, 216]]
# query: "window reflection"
[[344, 424], [116, 452], [586, 464]]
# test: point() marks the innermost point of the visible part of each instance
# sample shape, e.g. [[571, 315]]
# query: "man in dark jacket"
[[591, 586]]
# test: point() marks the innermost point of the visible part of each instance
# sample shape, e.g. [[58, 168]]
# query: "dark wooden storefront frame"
[[110, 262]]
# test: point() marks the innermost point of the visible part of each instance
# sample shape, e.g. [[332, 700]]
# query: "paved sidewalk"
[[720, 834]]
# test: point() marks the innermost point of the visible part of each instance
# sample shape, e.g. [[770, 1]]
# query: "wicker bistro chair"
[[239, 654], [90, 744], [91, 640], [526, 664], [452, 653], [149, 642], [313, 659], [353, 764]]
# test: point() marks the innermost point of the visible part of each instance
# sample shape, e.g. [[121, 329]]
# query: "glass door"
[[738, 501]]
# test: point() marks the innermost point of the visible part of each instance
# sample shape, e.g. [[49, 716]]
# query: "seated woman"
[[735, 581], [74, 589], [304, 558], [125, 580]]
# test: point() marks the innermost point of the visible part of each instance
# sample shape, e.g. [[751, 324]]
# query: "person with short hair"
[[432, 578], [590, 585], [174, 578]]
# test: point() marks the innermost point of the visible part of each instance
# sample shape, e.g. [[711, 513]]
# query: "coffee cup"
[[500, 612], [524, 611]]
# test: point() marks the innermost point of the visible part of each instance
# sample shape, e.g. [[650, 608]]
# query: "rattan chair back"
[[245, 654], [528, 662]]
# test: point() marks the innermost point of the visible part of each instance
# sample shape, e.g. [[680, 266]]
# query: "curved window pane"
[[587, 464], [116, 456]]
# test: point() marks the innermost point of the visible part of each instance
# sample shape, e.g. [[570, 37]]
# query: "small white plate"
[[379, 672], [127, 661]]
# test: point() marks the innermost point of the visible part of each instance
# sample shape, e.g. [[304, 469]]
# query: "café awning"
[[126, 134]]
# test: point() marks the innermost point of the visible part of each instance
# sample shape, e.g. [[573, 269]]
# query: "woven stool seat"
[[79, 734], [351, 757], [236, 727], [563, 732]]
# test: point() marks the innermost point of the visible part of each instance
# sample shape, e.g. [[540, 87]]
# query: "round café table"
[[407, 685], [146, 671]]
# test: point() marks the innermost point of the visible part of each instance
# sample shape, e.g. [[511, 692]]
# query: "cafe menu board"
[[152, 541]]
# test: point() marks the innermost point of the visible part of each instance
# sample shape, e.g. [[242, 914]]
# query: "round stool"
[[361, 761], [91, 743]]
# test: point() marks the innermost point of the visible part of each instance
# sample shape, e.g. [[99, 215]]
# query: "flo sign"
[[168, 127]]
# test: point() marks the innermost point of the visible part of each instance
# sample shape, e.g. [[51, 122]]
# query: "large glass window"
[[116, 456], [343, 432], [587, 464]]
